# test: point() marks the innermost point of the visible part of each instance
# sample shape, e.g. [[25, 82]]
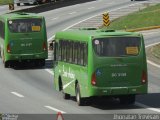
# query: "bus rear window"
[[117, 46], [25, 25]]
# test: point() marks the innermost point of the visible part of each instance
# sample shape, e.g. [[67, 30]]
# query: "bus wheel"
[[129, 99], [6, 64], [78, 96], [18, 4], [35, 3], [42, 62], [65, 95]]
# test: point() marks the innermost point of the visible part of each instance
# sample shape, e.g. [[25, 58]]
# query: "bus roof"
[[19, 15], [85, 35]]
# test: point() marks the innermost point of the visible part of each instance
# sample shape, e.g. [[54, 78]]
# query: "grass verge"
[[147, 17]]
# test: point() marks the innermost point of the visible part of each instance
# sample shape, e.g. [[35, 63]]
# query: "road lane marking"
[[152, 44], [54, 18], [90, 8], [147, 107], [54, 109], [72, 13], [150, 62], [17, 94]]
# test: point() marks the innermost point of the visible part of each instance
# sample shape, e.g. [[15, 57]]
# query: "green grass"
[[149, 16], [156, 51]]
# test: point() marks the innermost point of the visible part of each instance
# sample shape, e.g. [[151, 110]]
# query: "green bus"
[[23, 37], [91, 63]]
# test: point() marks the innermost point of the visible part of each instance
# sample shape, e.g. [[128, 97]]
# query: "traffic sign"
[[106, 21]]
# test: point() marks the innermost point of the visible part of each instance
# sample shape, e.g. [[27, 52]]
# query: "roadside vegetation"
[[147, 17]]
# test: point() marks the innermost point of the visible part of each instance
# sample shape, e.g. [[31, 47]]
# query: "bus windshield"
[[25, 25], [117, 46]]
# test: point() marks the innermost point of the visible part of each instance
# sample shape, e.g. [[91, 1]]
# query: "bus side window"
[[63, 50], [68, 51], [79, 53], [71, 52], [2, 33], [60, 51], [85, 55], [75, 53], [55, 44]]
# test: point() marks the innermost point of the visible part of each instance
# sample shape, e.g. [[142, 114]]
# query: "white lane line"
[[90, 8], [54, 109], [147, 107], [72, 13], [49, 71], [150, 62], [54, 18], [152, 44], [17, 94]]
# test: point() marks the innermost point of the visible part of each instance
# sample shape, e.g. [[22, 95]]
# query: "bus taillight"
[[144, 77], [8, 48], [93, 80], [44, 46]]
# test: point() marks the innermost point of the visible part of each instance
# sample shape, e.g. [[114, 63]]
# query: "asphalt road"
[[5, 8], [30, 90]]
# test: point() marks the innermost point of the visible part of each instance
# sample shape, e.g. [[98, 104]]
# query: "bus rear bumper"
[[113, 91], [19, 57]]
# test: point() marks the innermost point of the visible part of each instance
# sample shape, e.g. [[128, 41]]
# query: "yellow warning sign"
[[106, 21], [36, 28], [132, 50]]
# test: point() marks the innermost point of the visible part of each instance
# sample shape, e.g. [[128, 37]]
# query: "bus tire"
[[18, 4], [79, 100], [6, 64], [42, 62], [129, 99], [65, 95], [35, 3]]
